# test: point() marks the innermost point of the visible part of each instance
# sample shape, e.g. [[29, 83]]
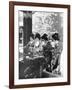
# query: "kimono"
[[32, 65], [52, 52]]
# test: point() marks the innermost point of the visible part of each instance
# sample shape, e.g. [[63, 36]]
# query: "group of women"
[[43, 46], [38, 42], [41, 53]]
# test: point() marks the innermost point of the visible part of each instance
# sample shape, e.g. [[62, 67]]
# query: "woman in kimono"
[[36, 44]]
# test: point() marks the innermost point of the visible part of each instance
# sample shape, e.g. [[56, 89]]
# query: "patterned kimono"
[[32, 65]]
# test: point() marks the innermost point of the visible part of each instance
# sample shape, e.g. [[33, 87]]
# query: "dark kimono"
[[31, 67]]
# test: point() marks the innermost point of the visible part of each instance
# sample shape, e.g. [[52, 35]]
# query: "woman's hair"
[[32, 35], [44, 37], [37, 35], [55, 36], [21, 27]]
